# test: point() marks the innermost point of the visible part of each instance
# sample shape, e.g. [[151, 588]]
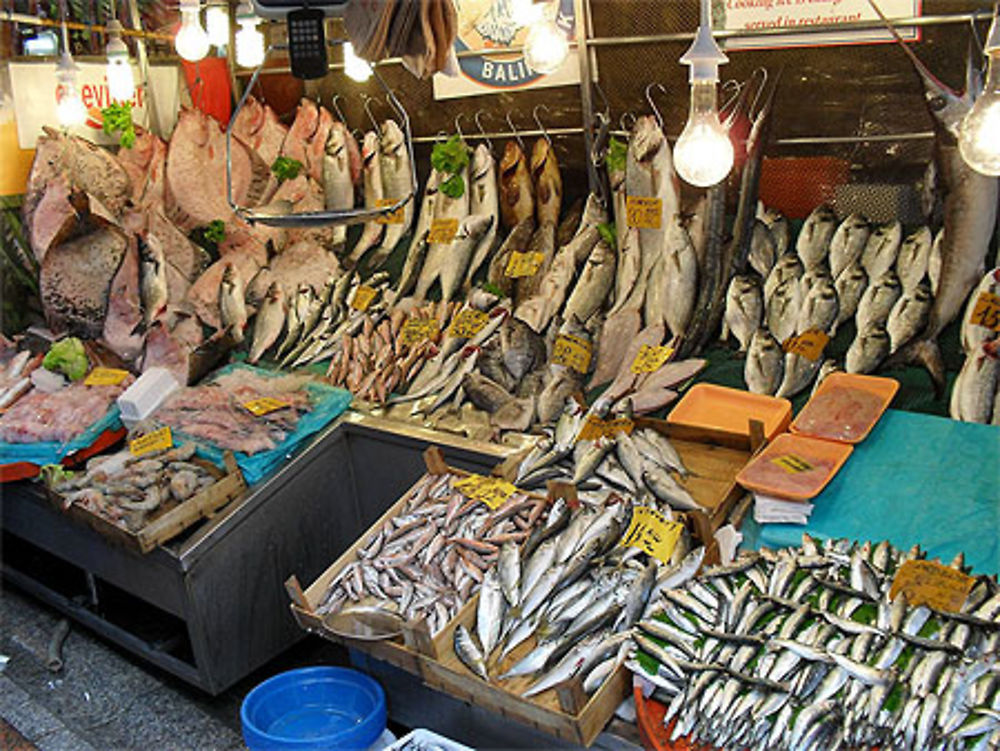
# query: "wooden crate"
[[169, 522]]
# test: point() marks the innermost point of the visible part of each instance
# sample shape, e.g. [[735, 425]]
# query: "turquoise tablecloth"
[[916, 479]]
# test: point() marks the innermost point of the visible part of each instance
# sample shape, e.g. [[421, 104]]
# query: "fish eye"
[[937, 103]]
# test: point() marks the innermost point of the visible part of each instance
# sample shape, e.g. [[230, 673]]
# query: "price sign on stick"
[[573, 352], [650, 531], [930, 583], [493, 491], [644, 213]]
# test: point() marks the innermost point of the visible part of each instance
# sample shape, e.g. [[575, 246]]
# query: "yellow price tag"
[[468, 323], [264, 405], [442, 231], [105, 377], [644, 213], [930, 583], [651, 359], [363, 297], [155, 441], [650, 531], [809, 344], [493, 491], [393, 217], [594, 427], [523, 264], [416, 330], [792, 464], [573, 352], [986, 312]]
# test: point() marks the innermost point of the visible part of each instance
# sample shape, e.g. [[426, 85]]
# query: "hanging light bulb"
[[546, 47], [703, 155], [121, 80], [69, 106], [977, 136], [355, 68], [249, 41], [191, 41], [217, 24]]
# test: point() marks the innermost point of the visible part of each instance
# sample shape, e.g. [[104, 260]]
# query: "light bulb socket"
[[116, 47], [993, 37], [244, 13], [704, 56]]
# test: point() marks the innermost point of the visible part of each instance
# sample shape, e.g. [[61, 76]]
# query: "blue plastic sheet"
[[917, 479], [50, 452]]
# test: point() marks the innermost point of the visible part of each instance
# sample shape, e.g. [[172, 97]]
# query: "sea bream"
[[373, 231], [763, 250], [911, 262], [517, 200], [813, 242], [878, 300], [232, 303], [268, 322], [882, 249], [744, 310], [765, 363], [909, 315], [850, 286], [848, 243], [869, 349]]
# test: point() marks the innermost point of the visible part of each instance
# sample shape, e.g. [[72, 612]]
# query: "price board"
[[492, 491], [363, 297], [594, 427], [467, 323], [264, 405], [105, 377], [644, 213], [154, 441], [417, 330], [442, 231], [523, 264], [573, 352], [986, 311], [650, 531], [809, 344], [393, 217], [930, 583], [651, 359]]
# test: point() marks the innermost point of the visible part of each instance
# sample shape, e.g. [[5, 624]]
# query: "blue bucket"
[[314, 709]]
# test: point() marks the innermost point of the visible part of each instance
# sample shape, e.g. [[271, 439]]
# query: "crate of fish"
[[144, 501]]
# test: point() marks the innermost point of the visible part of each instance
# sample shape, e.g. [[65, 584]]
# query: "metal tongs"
[[272, 217]]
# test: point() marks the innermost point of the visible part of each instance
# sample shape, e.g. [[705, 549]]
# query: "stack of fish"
[[429, 560], [975, 395], [128, 490], [803, 649], [15, 372]]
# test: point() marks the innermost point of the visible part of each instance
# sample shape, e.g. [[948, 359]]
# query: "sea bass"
[[394, 165], [268, 322], [484, 199], [338, 186], [374, 192]]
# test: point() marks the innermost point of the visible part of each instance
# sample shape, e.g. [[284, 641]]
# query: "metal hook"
[[441, 135], [606, 112], [458, 128], [482, 130], [627, 121], [366, 102], [652, 104], [336, 107], [538, 122], [760, 90], [737, 87], [514, 130], [395, 104]]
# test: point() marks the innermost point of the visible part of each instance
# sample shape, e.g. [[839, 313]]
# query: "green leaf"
[[117, 118], [492, 289], [453, 187], [216, 231], [67, 356], [451, 156], [286, 168], [609, 234], [209, 236], [54, 474], [617, 155]]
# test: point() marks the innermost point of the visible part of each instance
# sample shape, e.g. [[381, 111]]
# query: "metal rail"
[[23, 18]]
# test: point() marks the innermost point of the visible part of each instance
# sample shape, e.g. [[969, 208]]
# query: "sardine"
[[268, 322]]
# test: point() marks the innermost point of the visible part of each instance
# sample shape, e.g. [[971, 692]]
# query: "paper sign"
[[264, 405], [644, 213], [573, 352], [594, 427], [468, 323], [155, 441], [792, 464], [363, 297], [986, 312], [930, 583], [650, 531], [651, 359], [416, 330], [105, 377], [523, 264], [442, 231], [393, 217], [493, 491], [809, 344]]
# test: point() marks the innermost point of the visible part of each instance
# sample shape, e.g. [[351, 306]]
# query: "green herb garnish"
[[286, 168], [117, 117], [54, 474], [617, 155], [209, 236], [453, 187], [450, 158], [68, 357], [492, 289], [609, 234]]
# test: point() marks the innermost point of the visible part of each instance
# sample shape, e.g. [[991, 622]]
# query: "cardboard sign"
[[105, 377], [651, 359], [809, 345], [493, 491], [594, 427], [644, 213], [264, 405], [393, 217], [468, 323], [363, 297], [416, 330], [792, 464], [442, 231], [986, 312], [523, 264], [650, 531], [155, 441], [573, 352], [930, 583]]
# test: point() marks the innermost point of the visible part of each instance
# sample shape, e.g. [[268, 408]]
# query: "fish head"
[[763, 341], [274, 292], [336, 141], [482, 162], [512, 157], [594, 212], [369, 148], [889, 281], [229, 274], [647, 138], [392, 137], [475, 225], [539, 154]]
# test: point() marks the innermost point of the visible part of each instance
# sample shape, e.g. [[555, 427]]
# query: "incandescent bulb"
[[355, 68], [191, 41], [249, 41], [703, 154], [546, 47], [69, 106], [978, 140], [217, 24], [121, 80]]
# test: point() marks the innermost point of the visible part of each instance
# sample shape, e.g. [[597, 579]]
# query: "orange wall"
[[15, 162]]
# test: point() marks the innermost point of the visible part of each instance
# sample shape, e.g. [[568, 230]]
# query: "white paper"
[[770, 510], [729, 540]]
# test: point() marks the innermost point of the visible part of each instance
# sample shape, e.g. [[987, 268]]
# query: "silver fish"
[[297, 308], [668, 490], [338, 188], [813, 242], [878, 300], [153, 281], [975, 388], [914, 253], [778, 224], [539, 562], [763, 250], [909, 315], [799, 373], [848, 243], [829, 366], [881, 249], [452, 272], [484, 199], [628, 268], [373, 232], [232, 305], [417, 252], [467, 651], [787, 267], [509, 565], [594, 283], [870, 347], [744, 310], [268, 322], [819, 308], [394, 165], [765, 363], [850, 286], [669, 456], [783, 310], [934, 262], [489, 612]]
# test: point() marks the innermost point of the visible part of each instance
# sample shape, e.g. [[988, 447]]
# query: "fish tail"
[[927, 354]]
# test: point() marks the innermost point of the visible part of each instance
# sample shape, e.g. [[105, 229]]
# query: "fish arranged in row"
[[975, 394]]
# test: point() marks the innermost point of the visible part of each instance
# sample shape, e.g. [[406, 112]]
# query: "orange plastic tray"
[[825, 458], [727, 410], [883, 388]]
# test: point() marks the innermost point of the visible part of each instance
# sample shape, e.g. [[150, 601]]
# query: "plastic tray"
[[883, 388], [727, 410], [812, 450]]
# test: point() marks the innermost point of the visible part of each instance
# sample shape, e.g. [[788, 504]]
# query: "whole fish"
[[484, 199], [973, 334], [783, 310], [372, 234], [516, 242], [338, 184], [628, 268], [543, 245], [681, 285], [417, 252], [232, 305], [763, 249], [882, 248], [813, 242], [489, 612], [909, 315], [472, 229], [765, 363], [594, 283], [780, 231], [668, 490], [394, 164], [975, 387], [799, 373], [787, 267], [848, 243], [878, 300], [523, 349], [819, 308], [547, 182], [153, 281], [439, 253], [870, 347], [850, 286], [268, 322], [934, 262], [914, 253], [517, 200], [813, 277], [744, 310], [467, 651]]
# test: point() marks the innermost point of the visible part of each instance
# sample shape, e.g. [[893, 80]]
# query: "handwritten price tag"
[[468, 323], [264, 405], [573, 352], [644, 213], [416, 330], [651, 359], [442, 231], [155, 441], [792, 464], [105, 377], [809, 344], [594, 427], [650, 531], [986, 312], [929, 583], [523, 264], [393, 217], [493, 491], [363, 297]]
